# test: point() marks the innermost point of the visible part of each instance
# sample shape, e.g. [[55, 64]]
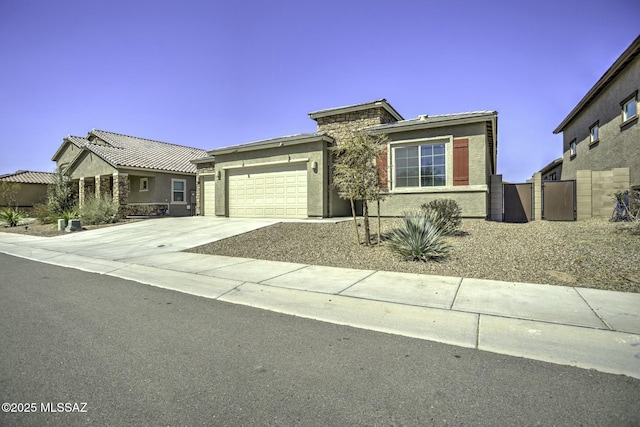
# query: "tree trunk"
[[379, 228], [355, 222], [367, 231]]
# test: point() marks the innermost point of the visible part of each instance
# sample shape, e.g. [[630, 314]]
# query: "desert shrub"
[[445, 214], [99, 210], [627, 209], [42, 212], [11, 216], [60, 195], [418, 239]]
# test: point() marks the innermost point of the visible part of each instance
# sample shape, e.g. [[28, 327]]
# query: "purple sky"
[[208, 73]]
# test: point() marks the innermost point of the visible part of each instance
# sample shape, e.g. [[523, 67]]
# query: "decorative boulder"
[[73, 225]]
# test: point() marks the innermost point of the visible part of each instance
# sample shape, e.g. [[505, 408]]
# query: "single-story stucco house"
[[147, 177], [31, 188], [426, 158]]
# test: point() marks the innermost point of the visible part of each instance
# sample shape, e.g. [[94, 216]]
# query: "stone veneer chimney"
[[339, 122]]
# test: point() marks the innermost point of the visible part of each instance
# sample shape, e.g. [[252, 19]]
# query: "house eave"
[[207, 159], [379, 103], [417, 125], [272, 143]]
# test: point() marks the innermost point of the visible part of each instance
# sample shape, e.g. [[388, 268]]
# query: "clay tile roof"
[[130, 151], [29, 177]]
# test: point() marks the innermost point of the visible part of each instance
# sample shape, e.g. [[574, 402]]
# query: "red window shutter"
[[381, 164], [461, 161]]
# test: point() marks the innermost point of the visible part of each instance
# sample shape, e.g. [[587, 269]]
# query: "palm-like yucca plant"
[[418, 239], [11, 216]]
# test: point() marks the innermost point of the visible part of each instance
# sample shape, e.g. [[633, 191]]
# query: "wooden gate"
[[559, 200], [518, 202]]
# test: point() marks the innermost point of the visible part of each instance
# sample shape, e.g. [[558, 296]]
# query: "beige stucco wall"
[[472, 198], [68, 153], [28, 195], [618, 146], [89, 165], [318, 181]]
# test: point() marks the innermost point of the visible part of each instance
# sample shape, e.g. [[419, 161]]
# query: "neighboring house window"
[[420, 166], [178, 190], [630, 107], [144, 184], [594, 132], [553, 176], [572, 148]]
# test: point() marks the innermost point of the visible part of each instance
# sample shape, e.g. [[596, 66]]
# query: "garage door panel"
[[278, 191]]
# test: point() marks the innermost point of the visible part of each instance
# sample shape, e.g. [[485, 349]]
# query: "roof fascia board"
[[359, 107], [417, 125], [207, 159], [126, 169], [65, 142], [620, 63], [278, 142]]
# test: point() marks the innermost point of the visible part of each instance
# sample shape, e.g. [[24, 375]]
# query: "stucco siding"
[[472, 203], [90, 165], [472, 198], [618, 146], [28, 195], [311, 154]]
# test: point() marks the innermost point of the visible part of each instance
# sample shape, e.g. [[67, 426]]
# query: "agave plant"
[[418, 239], [11, 216]]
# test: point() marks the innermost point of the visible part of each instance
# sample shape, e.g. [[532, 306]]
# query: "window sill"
[[628, 123], [573, 156], [178, 203], [443, 189], [594, 144]]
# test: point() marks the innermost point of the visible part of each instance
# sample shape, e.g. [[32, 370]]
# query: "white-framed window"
[[572, 148], [144, 184], [178, 191], [630, 108], [421, 165], [594, 132]]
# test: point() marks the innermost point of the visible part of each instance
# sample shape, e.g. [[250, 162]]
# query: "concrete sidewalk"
[[581, 327]]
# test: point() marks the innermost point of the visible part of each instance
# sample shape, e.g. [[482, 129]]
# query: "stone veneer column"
[[338, 126], [121, 188], [81, 192], [202, 170], [98, 188]]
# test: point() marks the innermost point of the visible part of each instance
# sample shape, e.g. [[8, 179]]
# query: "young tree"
[[8, 193], [60, 195], [356, 175]]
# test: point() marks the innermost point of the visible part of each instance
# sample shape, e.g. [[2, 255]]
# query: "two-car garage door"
[[273, 192]]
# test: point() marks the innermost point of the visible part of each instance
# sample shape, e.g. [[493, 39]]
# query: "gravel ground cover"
[[591, 253]]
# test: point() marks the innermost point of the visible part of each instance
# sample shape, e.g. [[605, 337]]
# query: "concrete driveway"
[[150, 237]]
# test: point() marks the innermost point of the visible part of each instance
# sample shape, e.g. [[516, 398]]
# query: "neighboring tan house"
[[552, 171], [32, 188], [147, 177], [430, 157], [602, 131]]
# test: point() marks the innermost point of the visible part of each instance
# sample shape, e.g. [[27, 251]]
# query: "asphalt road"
[[139, 355]]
